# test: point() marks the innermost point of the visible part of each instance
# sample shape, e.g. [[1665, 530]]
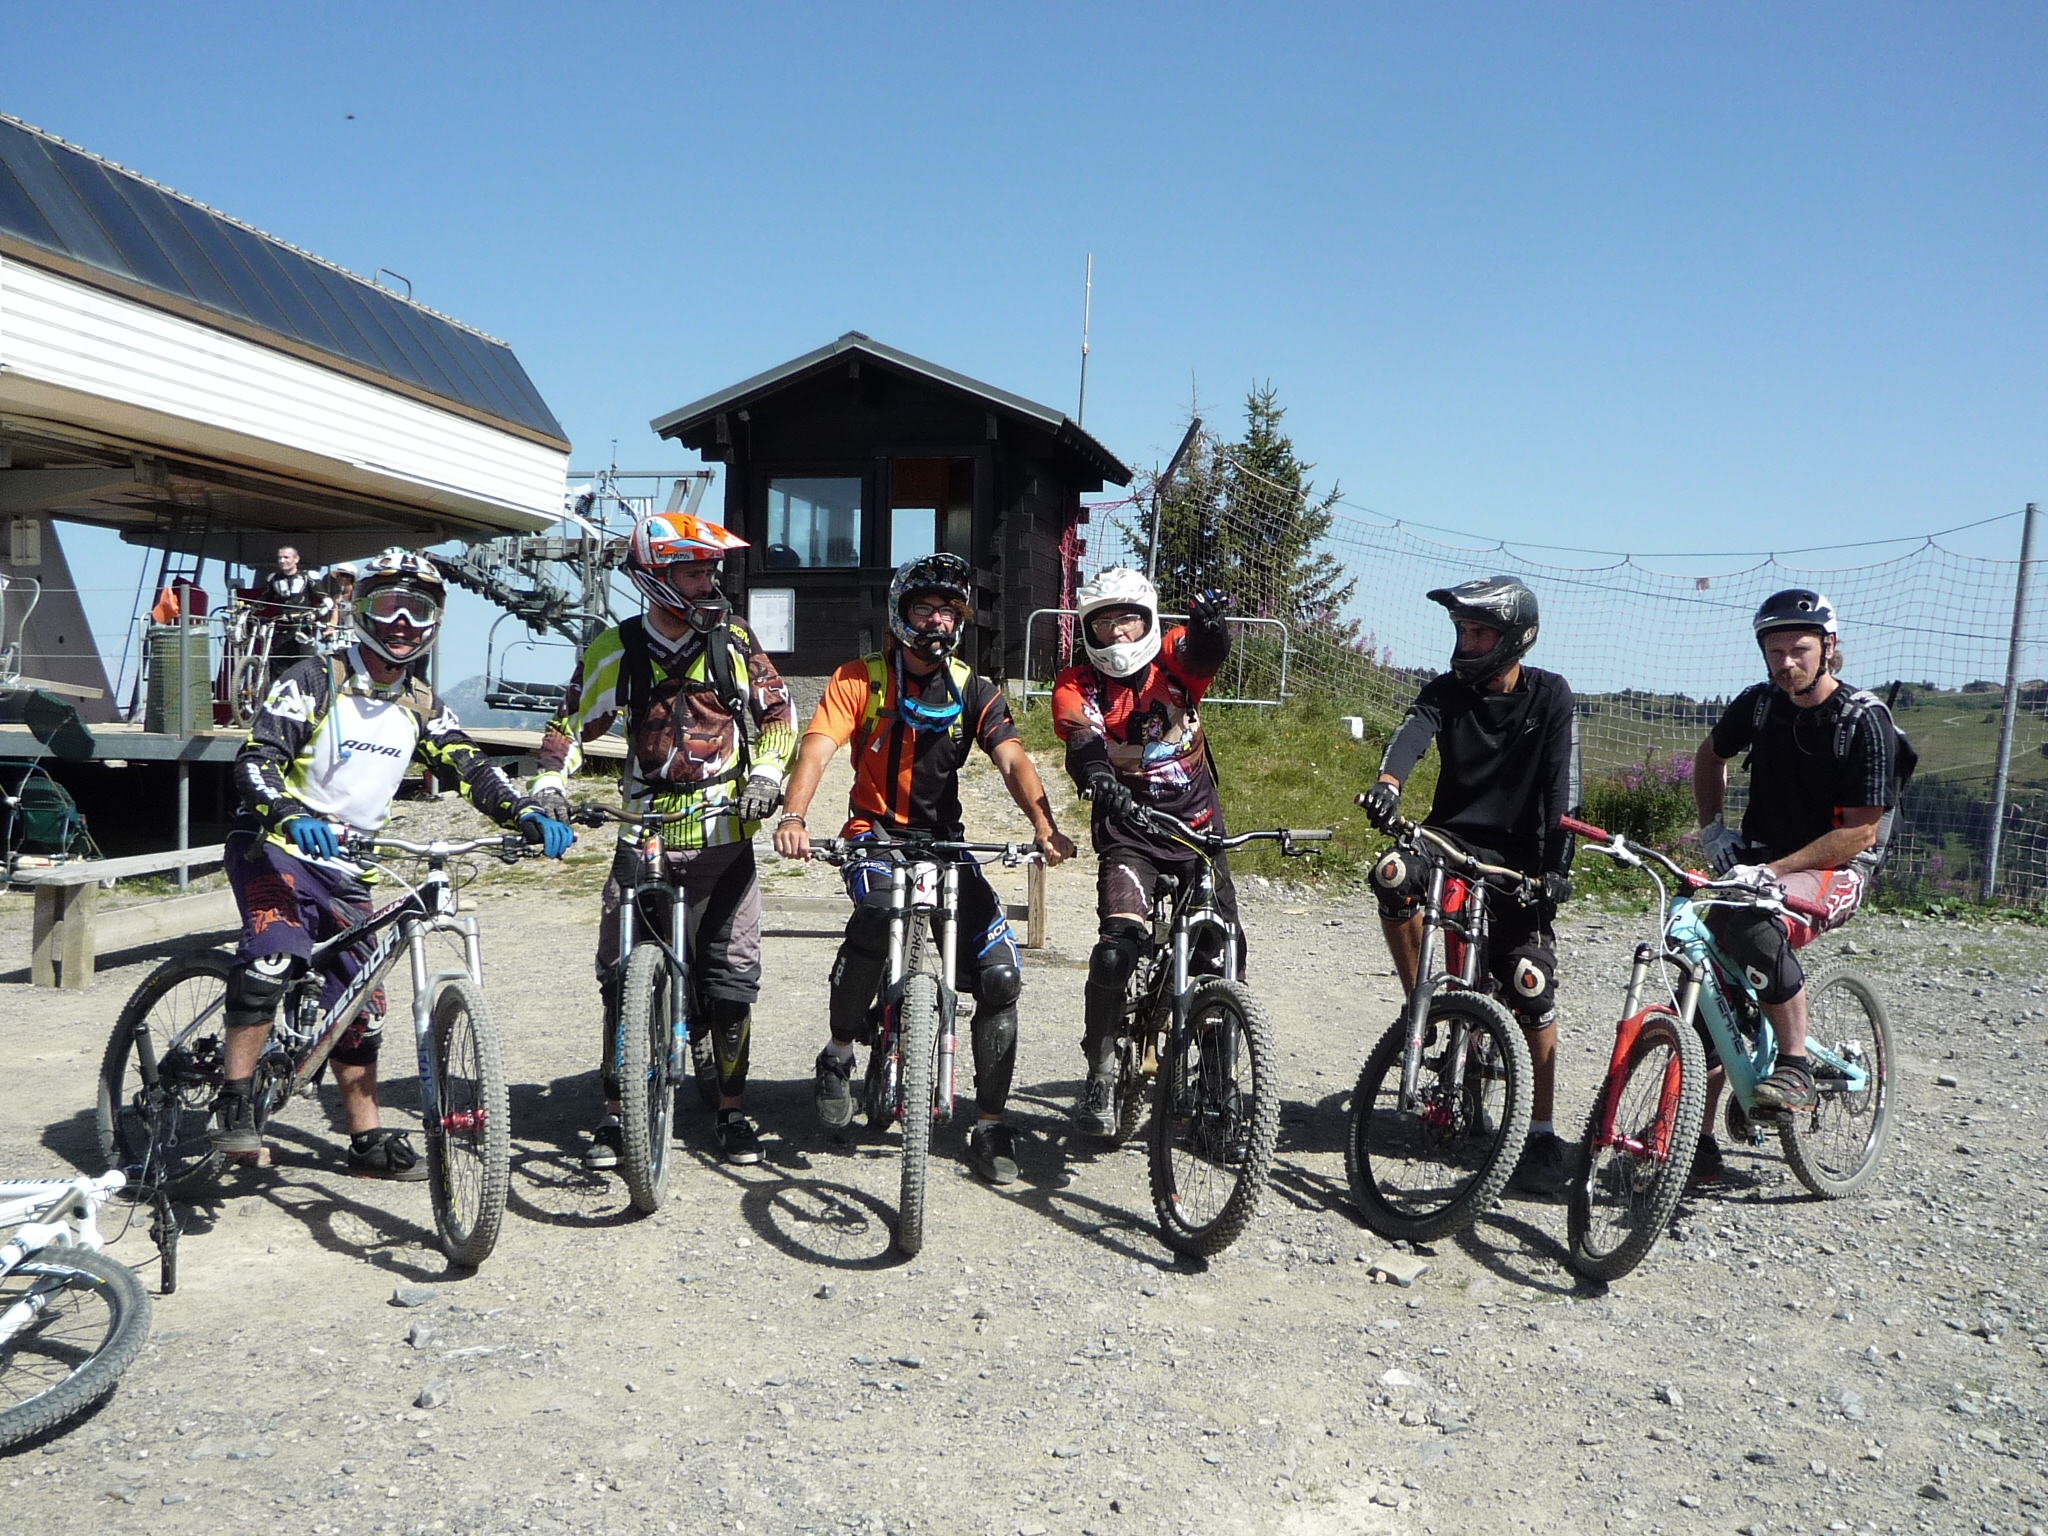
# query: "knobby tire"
[[181, 1003], [1620, 1201], [917, 1038], [469, 1169], [1834, 1147], [1207, 1107], [70, 1356], [646, 1096], [1423, 1173]]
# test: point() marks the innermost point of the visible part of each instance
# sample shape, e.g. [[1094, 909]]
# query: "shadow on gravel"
[[1507, 1259], [816, 1221], [1310, 1191], [339, 1224], [75, 1139], [1313, 1127]]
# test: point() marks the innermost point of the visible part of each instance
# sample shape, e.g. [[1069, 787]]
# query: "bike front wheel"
[[917, 1039], [162, 1068], [1834, 1147], [469, 1154], [71, 1321], [1215, 1120], [1431, 1168], [646, 1096], [1649, 1113]]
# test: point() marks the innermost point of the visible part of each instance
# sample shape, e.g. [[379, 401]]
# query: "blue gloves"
[[314, 838], [553, 836]]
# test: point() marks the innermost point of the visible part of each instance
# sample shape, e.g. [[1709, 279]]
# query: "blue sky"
[[1645, 278]]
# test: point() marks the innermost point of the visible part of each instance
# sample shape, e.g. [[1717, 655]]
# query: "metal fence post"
[[2008, 718]]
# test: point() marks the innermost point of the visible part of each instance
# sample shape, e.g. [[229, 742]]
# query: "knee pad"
[[857, 971], [998, 986], [255, 988], [1116, 954], [1398, 881], [1756, 942], [1528, 973]]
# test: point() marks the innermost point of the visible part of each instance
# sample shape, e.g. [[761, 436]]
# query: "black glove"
[[1111, 794], [758, 796], [1557, 888], [1208, 610], [1382, 805]]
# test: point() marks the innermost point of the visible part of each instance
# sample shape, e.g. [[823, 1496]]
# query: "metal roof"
[[1068, 433], [87, 217]]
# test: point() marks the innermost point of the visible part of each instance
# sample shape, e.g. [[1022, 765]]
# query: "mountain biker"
[[1134, 741], [709, 729], [325, 754], [1822, 760], [912, 712], [293, 595], [1503, 734]]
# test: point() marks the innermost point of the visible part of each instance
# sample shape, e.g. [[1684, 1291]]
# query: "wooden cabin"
[[845, 462]]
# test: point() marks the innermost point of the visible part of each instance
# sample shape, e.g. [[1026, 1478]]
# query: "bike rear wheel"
[[1622, 1196], [646, 1096], [1215, 1120], [469, 1154], [1835, 1146], [1421, 1173], [153, 1117], [917, 1038], [73, 1320]]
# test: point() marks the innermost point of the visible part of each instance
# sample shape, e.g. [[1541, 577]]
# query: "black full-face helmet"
[[1500, 603]]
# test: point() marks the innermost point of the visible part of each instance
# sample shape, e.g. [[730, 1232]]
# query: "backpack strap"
[[417, 699], [636, 670]]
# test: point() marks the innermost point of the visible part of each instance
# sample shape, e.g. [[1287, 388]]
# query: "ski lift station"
[[209, 392]]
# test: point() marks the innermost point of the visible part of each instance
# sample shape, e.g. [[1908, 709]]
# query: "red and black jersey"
[[1147, 730], [906, 779]]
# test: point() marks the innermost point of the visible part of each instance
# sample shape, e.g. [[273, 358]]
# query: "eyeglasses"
[[918, 612], [1122, 621], [390, 603]]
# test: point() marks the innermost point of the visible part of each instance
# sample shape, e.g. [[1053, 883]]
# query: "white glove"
[[1723, 845], [1756, 877]]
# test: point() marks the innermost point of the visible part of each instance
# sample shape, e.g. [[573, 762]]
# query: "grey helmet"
[[1795, 608], [1500, 603]]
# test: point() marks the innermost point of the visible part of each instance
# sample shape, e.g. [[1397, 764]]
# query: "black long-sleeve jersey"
[[1506, 764]]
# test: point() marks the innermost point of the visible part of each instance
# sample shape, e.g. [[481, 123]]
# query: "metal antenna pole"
[[1087, 304], [2003, 776]]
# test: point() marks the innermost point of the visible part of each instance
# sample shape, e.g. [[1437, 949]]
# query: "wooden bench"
[[71, 931]]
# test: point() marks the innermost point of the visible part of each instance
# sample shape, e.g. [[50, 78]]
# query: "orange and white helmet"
[[670, 539]]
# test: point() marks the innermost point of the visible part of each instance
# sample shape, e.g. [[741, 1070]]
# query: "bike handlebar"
[[1151, 819], [593, 815], [838, 850], [1623, 851], [506, 845]]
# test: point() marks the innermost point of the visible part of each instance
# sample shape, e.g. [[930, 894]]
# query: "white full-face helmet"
[[1120, 587]]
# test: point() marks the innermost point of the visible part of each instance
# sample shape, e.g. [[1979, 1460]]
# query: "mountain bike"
[[1205, 1045], [1442, 1105], [71, 1318], [658, 1041], [912, 1044], [165, 1062], [1646, 1123]]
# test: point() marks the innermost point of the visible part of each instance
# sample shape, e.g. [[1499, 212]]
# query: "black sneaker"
[[1789, 1089], [835, 1091], [607, 1143], [1096, 1113], [738, 1141], [384, 1154], [1708, 1166], [234, 1128], [993, 1150], [1546, 1165]]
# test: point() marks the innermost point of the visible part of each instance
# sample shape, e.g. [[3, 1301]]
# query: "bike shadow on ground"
[[1050, 1150], [1314, 1125], [297, 1183], [75, 1139], [1523, 1253], [550, 1185], [814, 1221]]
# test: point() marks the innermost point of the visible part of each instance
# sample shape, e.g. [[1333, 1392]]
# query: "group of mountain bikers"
[[711, 736]]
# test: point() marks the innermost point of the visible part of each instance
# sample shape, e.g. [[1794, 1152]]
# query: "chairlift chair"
[[504, 692]]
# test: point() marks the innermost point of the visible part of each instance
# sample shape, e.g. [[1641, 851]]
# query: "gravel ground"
[[754, 1358]]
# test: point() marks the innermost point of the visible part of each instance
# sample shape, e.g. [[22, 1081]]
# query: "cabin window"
[[931, 508], [813, 521]]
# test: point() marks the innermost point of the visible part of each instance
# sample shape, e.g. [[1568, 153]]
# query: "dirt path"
[[755, 1359]]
